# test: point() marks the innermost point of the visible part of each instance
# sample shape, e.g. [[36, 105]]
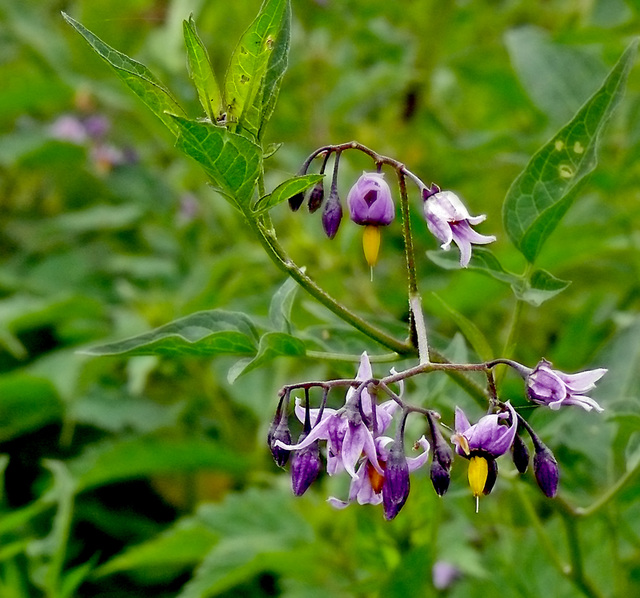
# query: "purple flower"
[[68, 128], [346, 430], [448, 220], [444, 574], [556, 389], [488, 436], [482, 443], [370, 201], [367, 487]]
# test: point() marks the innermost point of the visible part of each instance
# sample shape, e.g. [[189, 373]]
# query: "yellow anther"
[[478, 472], [371, 244]]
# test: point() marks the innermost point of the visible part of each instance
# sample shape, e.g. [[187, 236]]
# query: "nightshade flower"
[[449, 220], [371, 205], [556, 389], [482, 443], [367, 487], [545, 468], [346, 430]]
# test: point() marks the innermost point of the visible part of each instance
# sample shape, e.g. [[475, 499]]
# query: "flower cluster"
[[356, 436], [371, 205]]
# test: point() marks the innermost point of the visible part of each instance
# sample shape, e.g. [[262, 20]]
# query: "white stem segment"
[[415, 304]]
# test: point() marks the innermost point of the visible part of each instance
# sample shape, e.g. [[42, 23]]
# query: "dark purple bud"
[[296, 201], [492, 476], [442, 458], [279, 430], [545, 468], [332, 215], [395, 489], [440, 477], [305, 466], [520, 454], [316, 197]]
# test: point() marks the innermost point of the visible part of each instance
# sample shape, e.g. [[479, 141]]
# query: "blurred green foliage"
[[149, 475]]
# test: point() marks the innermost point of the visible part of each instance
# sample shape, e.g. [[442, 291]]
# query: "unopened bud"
[[546, 471], [316, 197], [279, 430], [332, 215], [520, 454], [296, 201], [395, 489], [305, 466], [440, 477]]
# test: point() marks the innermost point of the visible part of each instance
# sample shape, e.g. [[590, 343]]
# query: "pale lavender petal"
[[336, 503], [352, 446], [461, 422], [586, 403], [319, 432], [416, 462], [364, 369], [582, 381], [465, 251]]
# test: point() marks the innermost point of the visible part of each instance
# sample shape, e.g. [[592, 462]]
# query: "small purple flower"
[[444, 574], [68, 128], [370, 201], [449, 220], [367, 487], [346, 430], [482, 443], [556, 389], [488, 436]]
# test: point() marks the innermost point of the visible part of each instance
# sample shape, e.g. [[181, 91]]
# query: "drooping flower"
[[368, 486], [305, 467], [349, 431], [371, 205], [555, 389], [449, 220], [482, 443]]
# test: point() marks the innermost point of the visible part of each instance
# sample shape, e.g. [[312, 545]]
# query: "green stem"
[[418, 329], [605, 499], [285, 263]]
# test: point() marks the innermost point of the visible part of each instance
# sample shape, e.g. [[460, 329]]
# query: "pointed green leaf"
[[272, 345], [282, 304], [278, 63], [232, 161], [201, 71], [204, 333], [245, 78], [541, 287], [286, 190], [471, 332], [541, 194], [135, 75]]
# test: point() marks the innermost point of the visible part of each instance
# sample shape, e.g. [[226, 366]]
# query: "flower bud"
[[370, 201], [520, 454], [279, 430], [296, 201], [546, 471], [440, 477], [395, 489], [316, 197], [332, 215], [305, 466]]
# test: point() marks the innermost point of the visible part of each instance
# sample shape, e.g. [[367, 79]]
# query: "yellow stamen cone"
[[478, 472], [371, 244]]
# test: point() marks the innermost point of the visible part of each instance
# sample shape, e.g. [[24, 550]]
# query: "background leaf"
[[203, 333], [541, 194], [135, 75]]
